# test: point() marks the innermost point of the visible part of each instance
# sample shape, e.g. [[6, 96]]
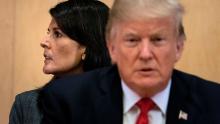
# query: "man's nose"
[[146, 50]]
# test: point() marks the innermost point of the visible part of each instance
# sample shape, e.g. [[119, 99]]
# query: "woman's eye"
[[57, 34]]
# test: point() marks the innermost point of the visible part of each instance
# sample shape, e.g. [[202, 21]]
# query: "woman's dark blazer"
[[25, 109]]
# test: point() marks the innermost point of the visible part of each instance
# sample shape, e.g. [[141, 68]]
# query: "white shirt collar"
[[130, 98]]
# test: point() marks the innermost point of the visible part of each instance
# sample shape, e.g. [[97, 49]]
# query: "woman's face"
[[62, 55]]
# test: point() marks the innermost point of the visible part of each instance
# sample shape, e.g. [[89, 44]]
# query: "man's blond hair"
[[123, 10]]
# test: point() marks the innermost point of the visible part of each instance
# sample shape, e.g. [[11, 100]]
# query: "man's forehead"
[[132, 27]]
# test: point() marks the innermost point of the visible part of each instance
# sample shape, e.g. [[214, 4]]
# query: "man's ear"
[[179, 48], [111, 49]]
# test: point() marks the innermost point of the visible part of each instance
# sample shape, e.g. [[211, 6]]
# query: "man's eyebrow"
[[130, 33]]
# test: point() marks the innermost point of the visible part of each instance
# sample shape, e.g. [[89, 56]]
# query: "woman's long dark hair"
[[84, 21]]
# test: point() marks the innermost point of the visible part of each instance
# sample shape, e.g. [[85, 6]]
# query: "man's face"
[[145, 53]]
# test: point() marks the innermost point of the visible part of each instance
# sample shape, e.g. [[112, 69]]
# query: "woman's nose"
[[45, 42]]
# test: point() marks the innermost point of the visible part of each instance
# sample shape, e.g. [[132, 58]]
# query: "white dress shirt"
[[131, 111]]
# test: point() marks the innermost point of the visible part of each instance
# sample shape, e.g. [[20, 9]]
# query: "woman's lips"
[[47, 58]]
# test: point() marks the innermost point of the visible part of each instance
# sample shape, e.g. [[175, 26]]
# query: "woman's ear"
[[83, 53]]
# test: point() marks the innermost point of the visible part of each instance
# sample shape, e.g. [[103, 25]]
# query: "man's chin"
[[148, 80]]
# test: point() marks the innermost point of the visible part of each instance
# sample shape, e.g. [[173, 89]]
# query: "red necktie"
[[144, 105]]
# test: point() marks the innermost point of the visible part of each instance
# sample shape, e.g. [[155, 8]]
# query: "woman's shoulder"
[[28, 98], [28, 95], [25, 108]]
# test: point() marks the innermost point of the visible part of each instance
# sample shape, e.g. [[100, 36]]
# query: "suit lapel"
[[183, 108], [109, 100], [176, 103]]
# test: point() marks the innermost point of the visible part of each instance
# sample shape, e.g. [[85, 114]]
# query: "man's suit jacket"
[[96, 98], [25, 109]]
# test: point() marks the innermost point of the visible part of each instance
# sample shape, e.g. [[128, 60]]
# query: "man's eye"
[[132, 39], [131, 42], [156, 39]]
